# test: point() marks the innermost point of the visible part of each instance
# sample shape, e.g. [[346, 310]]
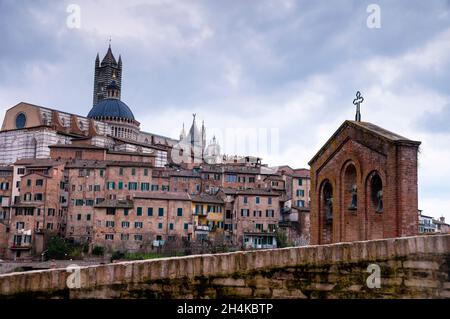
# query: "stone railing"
[[410, 267]]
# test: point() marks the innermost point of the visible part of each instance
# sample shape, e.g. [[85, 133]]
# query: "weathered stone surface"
[[410, 268]]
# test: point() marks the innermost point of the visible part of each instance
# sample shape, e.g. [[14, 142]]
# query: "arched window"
[[350, 190], [376, 192], [21, 120], [33, 146], [326, 212]]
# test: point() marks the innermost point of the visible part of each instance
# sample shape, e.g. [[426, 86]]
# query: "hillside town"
[[99, 182]]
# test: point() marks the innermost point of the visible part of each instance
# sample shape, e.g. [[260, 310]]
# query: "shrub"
[[57, 248], [118, 255], [98, 251]]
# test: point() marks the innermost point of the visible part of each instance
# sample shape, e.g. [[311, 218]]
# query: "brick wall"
[[354, 156]]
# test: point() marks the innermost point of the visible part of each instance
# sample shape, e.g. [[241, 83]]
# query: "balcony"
[[200, 213], [20, 246], [202, 228]]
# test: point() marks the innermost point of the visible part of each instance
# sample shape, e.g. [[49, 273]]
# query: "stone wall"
[[411, 267]]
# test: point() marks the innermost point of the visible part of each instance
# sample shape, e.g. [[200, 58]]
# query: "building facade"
[[364, 185], [99, 180]]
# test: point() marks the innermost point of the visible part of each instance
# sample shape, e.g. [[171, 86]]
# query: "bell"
[[354, 202], [329, 209], [379, 208]]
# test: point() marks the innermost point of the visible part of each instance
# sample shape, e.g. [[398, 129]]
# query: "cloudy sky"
[[286, 67]]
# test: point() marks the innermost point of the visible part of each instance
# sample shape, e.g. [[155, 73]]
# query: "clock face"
[[21, 120]]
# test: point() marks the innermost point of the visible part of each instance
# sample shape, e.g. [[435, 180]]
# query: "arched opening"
[[376, 193], [350, 188], [33, 146], [374, 206], [352, 226], [326, 212]]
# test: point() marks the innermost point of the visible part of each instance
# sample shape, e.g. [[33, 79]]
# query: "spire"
[[183, 133], [109, 57], [120, 60]]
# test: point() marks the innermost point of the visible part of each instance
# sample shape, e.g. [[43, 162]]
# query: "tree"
[[281, 238], [57, 248]]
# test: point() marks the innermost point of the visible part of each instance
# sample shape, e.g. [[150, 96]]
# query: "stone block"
[[229, 282]]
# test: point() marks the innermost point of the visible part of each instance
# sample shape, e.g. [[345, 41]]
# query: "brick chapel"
[[364, 185]]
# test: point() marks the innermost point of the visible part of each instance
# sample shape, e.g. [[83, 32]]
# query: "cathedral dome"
[[111, 107]]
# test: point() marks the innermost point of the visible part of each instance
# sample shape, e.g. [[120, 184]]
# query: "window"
[[39, 182], [102, 172], [79, 217], [38, 197], [259, 227], [89, 202], [21, 171], [150, 211], [121, 171], [20, 225], [245, 199], [300, 182], [109, 223], [145, 186], [160, 225], [132, 186], [109, 236], [124, 236], [125, 224], [110, 185], [4, 186], [49, 225], [244, 212], [133, 171], [186, 225], [257, 199], [125, 211], [231, 178], [179, 211], [269, 213], [300, 203], [145, 171], [96, 188], [171, 226], [160, 211], [79, 202], [269, 200], [138, 224], [28, 182], [88, 217], [120, 185], [154, 187], [139, 211], [51, 212], [138, 237], [110, 211]]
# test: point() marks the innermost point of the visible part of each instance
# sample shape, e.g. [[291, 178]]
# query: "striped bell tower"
[[105, 72]]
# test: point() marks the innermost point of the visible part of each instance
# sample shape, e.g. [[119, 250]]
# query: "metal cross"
[[359, 99]]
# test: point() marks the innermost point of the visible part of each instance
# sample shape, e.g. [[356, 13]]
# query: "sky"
[[285, 71]]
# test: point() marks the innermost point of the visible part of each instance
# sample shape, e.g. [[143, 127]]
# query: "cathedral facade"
[[28, 130]]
